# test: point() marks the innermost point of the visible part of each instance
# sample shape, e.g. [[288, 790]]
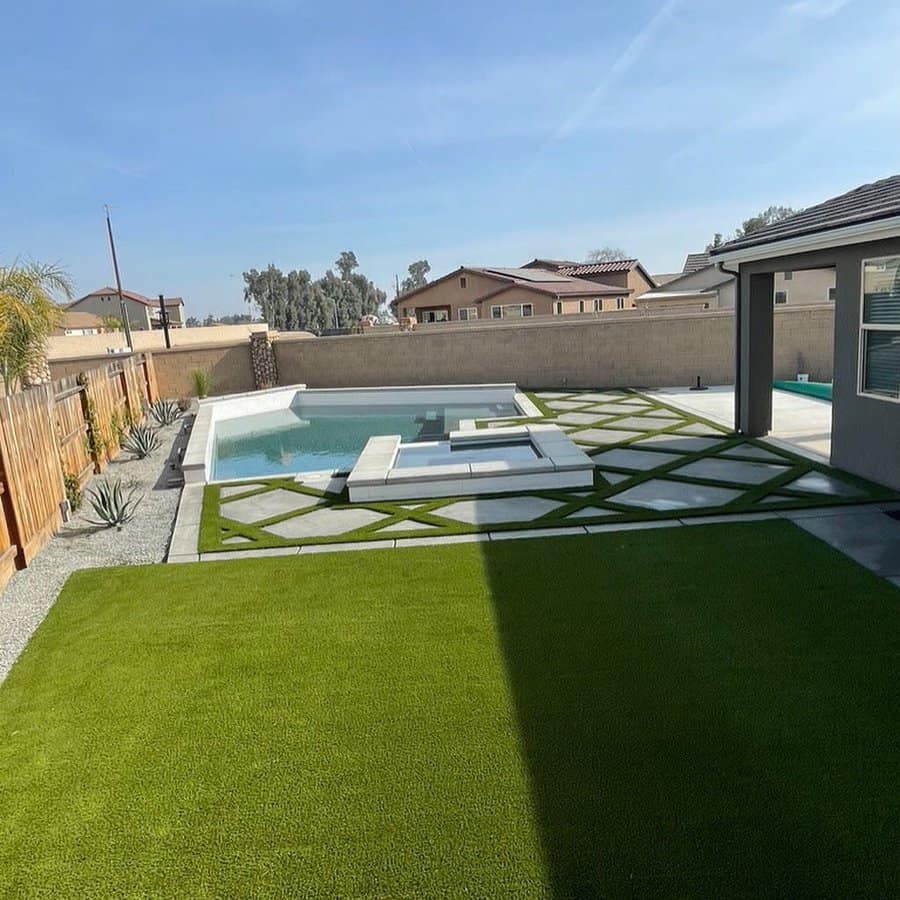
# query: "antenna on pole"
[[122, 309]]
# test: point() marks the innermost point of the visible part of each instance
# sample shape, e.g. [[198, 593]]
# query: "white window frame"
[[620, 303], [787, 297], [581, 308], [597, 304], [471, 313], [522, 313], [863, 328], [828, 290], [558, 308]]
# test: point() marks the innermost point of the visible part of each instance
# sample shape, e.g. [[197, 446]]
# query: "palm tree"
[[28, 315]]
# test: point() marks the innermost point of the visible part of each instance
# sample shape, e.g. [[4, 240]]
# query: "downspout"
[[737, 341]]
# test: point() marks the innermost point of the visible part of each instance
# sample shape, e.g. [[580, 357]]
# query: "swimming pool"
[[294, 431]]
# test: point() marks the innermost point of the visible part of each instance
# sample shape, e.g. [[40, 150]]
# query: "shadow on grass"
[[708, 711]]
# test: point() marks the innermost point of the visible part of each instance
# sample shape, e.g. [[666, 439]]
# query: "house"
[[624, 273], [79, 323], [701, 285], [857, 237], [142, 312], [483, 293]]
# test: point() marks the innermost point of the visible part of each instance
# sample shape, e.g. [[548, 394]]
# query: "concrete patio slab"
[[605, 435], [329, 484], [248, 554], [232, 490], [615, 477], [265, 506], [817, 483], [629, 458], [643, 423], [406, 525], [580, 418], [502, 509], [698, 428], [871, 539], [326, 522], [738, 471], [599, 396], [682, 443], [565, 404], [590, 512], [754, 452], [660, 495]]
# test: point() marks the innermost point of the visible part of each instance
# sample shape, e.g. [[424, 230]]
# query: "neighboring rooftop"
[[74, 320], [128, 295], [867, 203], [552, 282], [693, 262]]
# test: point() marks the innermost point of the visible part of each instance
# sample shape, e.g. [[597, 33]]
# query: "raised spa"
[[292, 431], [517, 458]]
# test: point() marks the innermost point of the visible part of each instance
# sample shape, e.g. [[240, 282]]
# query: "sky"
[[229, 134]]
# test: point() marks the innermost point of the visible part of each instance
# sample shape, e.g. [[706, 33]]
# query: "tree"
[[28, 314], [607, 254], [192, 322], [767, 217], [112, 323], [346, 263], [416, 278]]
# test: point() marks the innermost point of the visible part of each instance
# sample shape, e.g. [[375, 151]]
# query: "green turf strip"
[[704, 711]]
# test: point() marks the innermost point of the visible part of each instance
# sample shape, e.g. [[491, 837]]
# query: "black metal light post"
[[164, 319], [122, 308]]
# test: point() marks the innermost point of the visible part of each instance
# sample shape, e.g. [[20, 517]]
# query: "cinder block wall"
[[637, 352], [656, 351]]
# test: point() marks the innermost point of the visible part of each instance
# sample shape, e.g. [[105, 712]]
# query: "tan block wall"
[[229, 367], [70, 346], [632, 352]]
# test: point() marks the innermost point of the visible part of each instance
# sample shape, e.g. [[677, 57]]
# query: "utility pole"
[[122, 309], [164, 319]]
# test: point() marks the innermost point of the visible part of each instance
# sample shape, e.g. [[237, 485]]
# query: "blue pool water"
[[310, 439]]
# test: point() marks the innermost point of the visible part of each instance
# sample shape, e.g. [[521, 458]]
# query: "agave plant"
[[114, 502], [166, 412], [142, 440]]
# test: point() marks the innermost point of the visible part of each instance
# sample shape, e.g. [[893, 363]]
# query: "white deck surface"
[[802, 422]]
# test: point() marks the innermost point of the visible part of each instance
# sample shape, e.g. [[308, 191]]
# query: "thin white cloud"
[[815, 9], [633, 52]]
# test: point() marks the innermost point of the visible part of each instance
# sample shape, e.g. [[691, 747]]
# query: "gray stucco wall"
[[865, 430]]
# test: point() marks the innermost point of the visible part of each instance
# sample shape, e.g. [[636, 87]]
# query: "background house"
[[701, 285], [143, 313], [79, 323], [548, 289]]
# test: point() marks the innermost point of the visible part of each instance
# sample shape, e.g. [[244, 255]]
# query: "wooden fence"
[[68, 429]]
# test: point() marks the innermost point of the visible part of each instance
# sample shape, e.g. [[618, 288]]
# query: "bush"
[[201, 381], [114, 502], [166, 412], [142, 440]]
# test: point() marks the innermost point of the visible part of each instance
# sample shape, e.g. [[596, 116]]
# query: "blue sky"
[[227, 134]]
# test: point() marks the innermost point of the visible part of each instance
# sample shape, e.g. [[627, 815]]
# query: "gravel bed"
[[31, 592]]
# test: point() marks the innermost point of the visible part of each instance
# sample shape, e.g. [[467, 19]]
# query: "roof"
[[612, 266], [80, 320], [693, 262], [128, 295], [549, 264], [867, 203], [553, 282], [542, 280], [664, 278]]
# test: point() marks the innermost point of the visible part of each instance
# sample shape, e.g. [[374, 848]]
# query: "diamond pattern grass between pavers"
[[267, 505], [580, 418], [639, 494], [732, 470]]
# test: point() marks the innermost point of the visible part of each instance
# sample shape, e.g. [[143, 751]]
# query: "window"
[[468, 313], [831, 294], [788, 276], [620, 303], [513, 311], [558, 308], [463, 282], [781, 297], [596, 304], [581, 308], [880, 328]]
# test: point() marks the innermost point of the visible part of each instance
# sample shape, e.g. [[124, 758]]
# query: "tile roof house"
[[142, 312], [857, 236], [628, 273], [79, 323], [504, 293]]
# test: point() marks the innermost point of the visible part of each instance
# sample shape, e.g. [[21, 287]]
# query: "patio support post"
[[755, 353]]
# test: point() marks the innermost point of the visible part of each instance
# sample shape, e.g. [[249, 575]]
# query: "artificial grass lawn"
[[697, 711]]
